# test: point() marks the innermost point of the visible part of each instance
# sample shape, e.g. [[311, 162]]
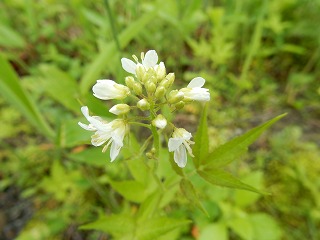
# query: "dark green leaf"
[[231, 150]]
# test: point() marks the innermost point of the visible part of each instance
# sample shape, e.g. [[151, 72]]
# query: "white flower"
[[107, 89], [179, 143], [148, 61], [160, 122], [194, 90], [120, 109], [113, 133]]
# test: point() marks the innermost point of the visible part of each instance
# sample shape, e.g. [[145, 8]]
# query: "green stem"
[[140, 124], [112, 23]]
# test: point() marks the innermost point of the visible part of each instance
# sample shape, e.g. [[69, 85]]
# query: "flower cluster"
[[149, 85]]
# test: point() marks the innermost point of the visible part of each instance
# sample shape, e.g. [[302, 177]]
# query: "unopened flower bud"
[[161, 71], [159, 122], [143, 104], [168, 80], [150, 87], [160, 92], [148, 75], [179, 105], [140, 71], [137, 88], [120, 109], [175, 96], [130, 82]]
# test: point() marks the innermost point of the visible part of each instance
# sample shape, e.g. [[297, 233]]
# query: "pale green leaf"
[[71, 134], [10, 38], [190, 193], [265, 227], [92, 156], [231, 150], [131, 190], [218, 230], [61, 87], [12, 91], [149, 207], [242, 227], [152, 228], [201, 146], [222, 178], [117, 225]]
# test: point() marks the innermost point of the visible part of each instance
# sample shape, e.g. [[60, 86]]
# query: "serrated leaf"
[[201, 146], [117, 225], [231, 150], [149, 206], [190, 193], [12, 91], [222, 178], [152, 228]]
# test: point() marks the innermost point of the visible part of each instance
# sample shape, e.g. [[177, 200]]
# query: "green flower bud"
[[150, 87], [120, 109], [160, 92], [140, 72], [137, 88], [148, 75], [130, 82], [167, 82], [143, 104], [179, 105], [175, 96]]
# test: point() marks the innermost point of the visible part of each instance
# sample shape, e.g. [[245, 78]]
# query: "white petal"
[[86, 127], [174, 143], [85, 111], [196, 82], [114, 151], [103, 88], [150, 59], [180, 156], [128, 65]]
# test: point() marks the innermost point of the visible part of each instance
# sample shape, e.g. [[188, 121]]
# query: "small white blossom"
[[194, 90], [179, 143], [107, 89], [150, 60], [120, 109], [111, 133], [160, 122]]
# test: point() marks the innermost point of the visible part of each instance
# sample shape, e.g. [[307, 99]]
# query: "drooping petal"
[[174, 143], [150, 59], [85, 111], [114, 151], [128, 65], [87, 127], [180, 156], [196, 82]]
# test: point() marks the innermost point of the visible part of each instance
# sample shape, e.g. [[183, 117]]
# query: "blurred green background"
[[260, 58]]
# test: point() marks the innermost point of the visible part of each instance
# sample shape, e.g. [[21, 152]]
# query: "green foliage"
[[259, 58]]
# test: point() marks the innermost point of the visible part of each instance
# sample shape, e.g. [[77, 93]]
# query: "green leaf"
[[139, 170], [242, 227], [231, 150], [106, 56], [71, 134], [61, 87], [131, 190], [218, 230], [117, 225], [201, 146], [11, 38], [12, 91], [222, 178], [152, 228], [92, 156], [265, 227], [149, 207], [190, 193]]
